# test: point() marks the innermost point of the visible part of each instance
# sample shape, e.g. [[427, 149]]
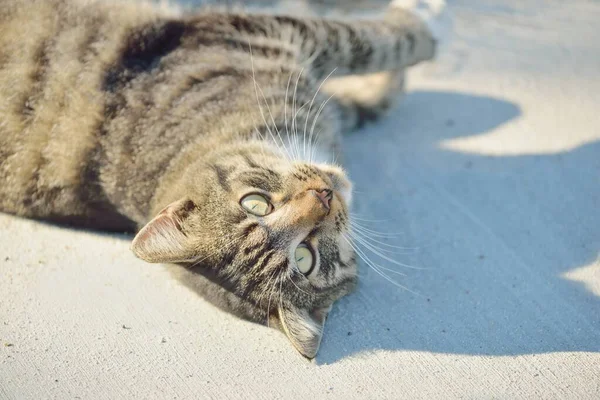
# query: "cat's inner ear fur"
[[304, 328], [163, 240]]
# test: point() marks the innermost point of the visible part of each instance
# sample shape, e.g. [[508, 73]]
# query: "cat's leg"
[[368, 96], [409, 32], [406, 35], [365, 98]]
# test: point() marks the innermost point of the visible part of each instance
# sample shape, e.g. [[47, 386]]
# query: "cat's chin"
[[346, 194]]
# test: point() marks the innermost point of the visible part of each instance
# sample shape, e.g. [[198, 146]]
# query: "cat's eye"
[[305, 259], [256, 204]]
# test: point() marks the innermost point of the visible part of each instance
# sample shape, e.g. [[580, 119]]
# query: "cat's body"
[[111, 112]]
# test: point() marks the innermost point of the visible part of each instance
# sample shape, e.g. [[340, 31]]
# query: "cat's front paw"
[[434, 13]]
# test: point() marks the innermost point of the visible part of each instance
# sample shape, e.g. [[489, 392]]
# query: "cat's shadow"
[[496, 234]]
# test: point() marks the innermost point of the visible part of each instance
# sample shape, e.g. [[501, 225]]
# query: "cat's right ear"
[[304, 328], [163, 240]]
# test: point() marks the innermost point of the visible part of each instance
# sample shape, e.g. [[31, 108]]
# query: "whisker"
[[373, 232], [310, 108], [262, 142], [269, 278], [295, 127], [378, 238], [378, 252], [294, 98], [274, 123], [391, 249], [355, 216], [321, 108], [256, 88], [378, 265], [285, 104], [335, 159], [280, 292], [374, 266], [294, 283], [233, 243]]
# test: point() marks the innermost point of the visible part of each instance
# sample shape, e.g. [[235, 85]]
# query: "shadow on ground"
[[496, 234]]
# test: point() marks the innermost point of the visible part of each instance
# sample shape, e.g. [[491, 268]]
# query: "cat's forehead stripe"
[[262, 179], [222, 176], [249, 161]]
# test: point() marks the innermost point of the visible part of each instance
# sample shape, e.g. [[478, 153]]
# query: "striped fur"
[[120, 116]]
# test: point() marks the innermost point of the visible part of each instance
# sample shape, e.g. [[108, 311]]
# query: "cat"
[[206, 134]]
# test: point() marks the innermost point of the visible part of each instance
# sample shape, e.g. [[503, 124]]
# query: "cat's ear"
[[163, 239], [304, 328]]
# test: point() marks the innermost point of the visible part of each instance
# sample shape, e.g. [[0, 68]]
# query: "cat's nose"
[[325, 196]]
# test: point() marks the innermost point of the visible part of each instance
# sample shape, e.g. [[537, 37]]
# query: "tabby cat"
[[206, 132]]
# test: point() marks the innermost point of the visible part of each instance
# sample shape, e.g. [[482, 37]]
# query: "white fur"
[[434, 13]]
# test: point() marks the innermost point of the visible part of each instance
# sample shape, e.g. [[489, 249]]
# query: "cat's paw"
[[434, 13], [367, 97]]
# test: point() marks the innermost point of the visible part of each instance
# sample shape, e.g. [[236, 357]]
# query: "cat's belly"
[[53, 59]]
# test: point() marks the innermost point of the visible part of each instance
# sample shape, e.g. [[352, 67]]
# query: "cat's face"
[[272, 231]]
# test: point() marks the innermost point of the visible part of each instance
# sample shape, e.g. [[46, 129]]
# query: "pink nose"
[[325, 195]]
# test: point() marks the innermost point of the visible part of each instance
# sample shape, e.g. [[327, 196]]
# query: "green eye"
[[305, 260], [256, 204]]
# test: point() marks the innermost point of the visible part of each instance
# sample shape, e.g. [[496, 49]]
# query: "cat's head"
[[273, 232]]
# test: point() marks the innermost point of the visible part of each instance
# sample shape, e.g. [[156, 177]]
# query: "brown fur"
[[120, 116]]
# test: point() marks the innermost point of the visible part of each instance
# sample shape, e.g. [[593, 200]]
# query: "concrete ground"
[[490, 173]]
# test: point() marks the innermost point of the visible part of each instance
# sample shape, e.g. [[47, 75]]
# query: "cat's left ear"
[[304, 328], [163, 240]]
